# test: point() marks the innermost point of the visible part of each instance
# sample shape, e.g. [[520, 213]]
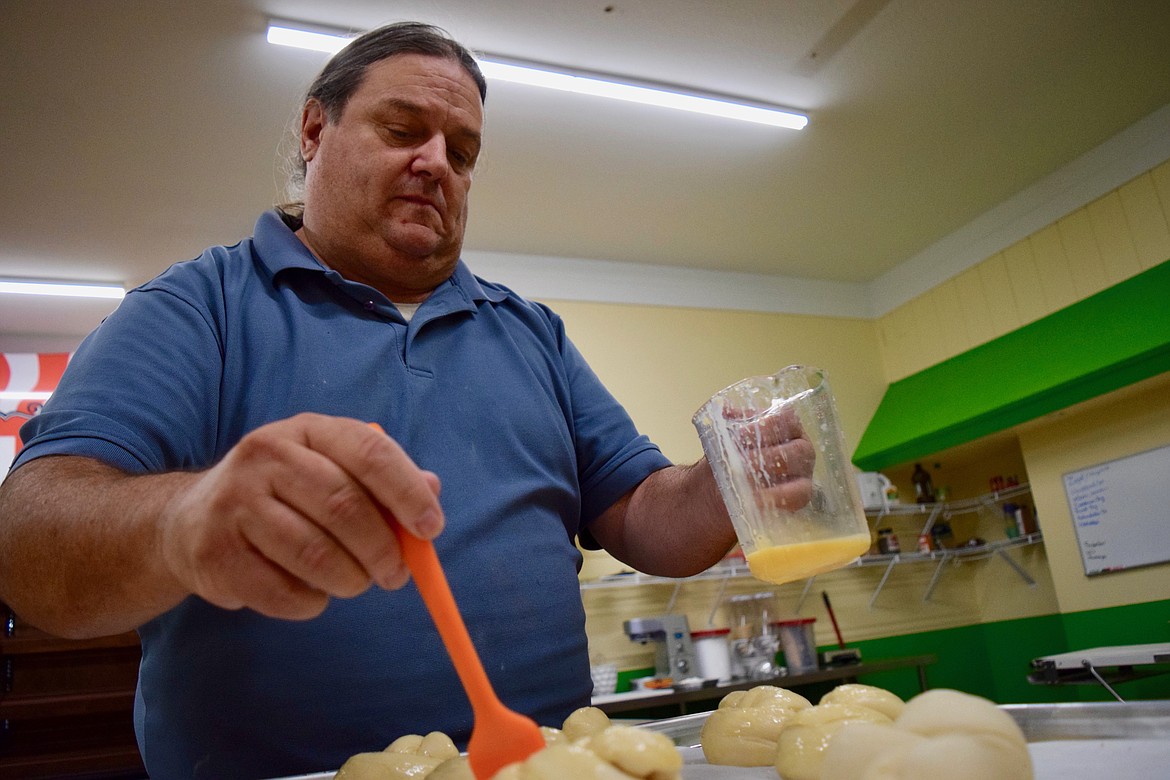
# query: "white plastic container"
[[712, 653]]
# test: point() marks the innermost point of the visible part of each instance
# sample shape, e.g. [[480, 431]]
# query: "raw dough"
[[452, 769], [436, 745], [552, 736], [637, 752], [744, 729], [617, 753], [765, 696], [941, 733], [386, 766], [585, 722], [944, 711], [800, 748], [589, 746], [862, 749], [560, 762], [866, 696]]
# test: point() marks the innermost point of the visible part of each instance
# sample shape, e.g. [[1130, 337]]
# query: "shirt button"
[[369, 305]]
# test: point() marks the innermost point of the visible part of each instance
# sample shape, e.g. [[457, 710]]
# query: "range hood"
[[1105, 342]]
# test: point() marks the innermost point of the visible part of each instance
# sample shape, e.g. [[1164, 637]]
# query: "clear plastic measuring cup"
[[792, 521]]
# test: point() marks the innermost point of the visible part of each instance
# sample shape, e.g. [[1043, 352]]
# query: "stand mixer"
[[674, 654]]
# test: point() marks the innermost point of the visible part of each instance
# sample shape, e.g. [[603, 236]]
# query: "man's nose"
[[431, 158]]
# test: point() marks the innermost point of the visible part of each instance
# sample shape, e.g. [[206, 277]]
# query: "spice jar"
[[887, 541]]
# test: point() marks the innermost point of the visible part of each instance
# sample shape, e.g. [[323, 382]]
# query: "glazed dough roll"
[[800, 749], [866, 696], [744, 729], [386, 766], [940, 733], [585, 722]]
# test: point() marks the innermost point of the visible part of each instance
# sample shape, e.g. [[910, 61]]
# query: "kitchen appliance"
[[754, 640], [876, 490], [675, 653]]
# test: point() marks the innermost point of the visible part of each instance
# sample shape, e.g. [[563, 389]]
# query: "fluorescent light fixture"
[[537, 75], [600, 86], [25, 395], [66, 289], [282, 34]]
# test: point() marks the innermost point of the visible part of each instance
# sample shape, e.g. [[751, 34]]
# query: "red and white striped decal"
[[25, 378]]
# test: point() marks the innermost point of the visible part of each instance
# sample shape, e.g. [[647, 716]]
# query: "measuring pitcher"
[[792, 521]]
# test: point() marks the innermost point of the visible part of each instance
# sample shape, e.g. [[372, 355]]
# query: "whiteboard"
[[1121, 511]]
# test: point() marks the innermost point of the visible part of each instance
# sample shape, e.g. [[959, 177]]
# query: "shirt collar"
[[279, 249]]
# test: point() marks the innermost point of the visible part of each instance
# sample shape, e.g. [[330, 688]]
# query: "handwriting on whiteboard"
[[1120, 511]]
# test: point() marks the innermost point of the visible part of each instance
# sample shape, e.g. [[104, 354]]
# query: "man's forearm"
[[79, 546], [675, 523]]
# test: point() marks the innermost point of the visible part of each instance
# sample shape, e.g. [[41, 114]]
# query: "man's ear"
[[313, 121]]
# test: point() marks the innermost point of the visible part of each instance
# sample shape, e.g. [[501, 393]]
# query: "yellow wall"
[[1127, 422], [662, 363], [1109, 240]]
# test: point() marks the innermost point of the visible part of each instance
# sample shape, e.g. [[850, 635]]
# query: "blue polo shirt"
[[482, 387]]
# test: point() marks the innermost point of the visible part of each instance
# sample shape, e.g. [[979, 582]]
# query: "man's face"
[[386, 184]]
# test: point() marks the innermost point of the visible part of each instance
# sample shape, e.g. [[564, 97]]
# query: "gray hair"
[[343, 74]]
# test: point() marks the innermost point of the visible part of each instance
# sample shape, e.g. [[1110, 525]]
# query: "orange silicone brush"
[[499, 736]]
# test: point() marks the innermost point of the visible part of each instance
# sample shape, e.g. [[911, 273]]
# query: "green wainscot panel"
[[993, 660]]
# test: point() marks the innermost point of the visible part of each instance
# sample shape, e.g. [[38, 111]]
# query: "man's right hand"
[[292, 516]]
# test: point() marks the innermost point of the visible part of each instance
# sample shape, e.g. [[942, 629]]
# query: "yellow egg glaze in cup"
[[778, 454]]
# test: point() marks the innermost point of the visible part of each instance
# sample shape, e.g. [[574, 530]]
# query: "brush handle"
[[833, 617], [423, 562], [428, 576]]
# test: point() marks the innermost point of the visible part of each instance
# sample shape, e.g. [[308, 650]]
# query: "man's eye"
[[397, 133]]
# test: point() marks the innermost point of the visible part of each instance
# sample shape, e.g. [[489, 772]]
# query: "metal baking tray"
[[1039, 722], [1118, 740]]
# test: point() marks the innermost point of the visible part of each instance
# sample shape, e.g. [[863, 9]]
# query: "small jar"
[[712, 653], [942, 534], [888, 542]]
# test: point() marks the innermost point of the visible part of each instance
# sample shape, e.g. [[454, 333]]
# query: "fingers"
[[319, 523], [384, 470], [791, 494], [794, 458], [781, 458], [272, 592], [770, 428], [295, 514]]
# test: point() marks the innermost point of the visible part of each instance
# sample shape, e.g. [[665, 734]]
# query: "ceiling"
[[139, 132]]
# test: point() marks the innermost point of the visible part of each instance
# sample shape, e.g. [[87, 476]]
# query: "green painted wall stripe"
[[1110, 340], [992, 660]]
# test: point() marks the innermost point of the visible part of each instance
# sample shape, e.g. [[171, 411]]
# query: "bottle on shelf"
[[923, 486], [887, 541]]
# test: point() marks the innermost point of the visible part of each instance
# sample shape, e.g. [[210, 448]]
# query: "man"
[[205, 472]]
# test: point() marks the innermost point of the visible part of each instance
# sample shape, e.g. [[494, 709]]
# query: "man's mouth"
[[419, 200]]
